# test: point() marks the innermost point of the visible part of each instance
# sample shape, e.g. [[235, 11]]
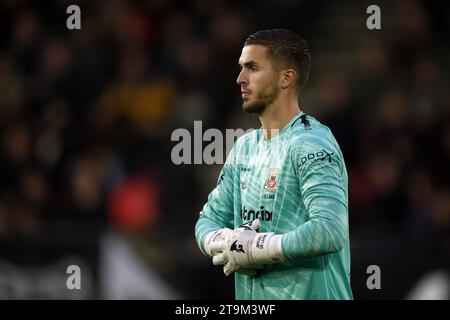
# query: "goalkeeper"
[[284, 185]]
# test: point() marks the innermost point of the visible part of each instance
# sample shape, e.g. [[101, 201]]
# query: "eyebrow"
[[248, 64]]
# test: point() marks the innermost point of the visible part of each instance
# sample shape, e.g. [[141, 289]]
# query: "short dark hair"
[[287, 49]]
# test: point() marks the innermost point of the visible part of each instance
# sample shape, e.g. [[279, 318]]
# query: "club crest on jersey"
[[271, 184]]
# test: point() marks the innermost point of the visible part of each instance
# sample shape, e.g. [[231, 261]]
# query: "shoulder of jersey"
[[308, 129], [305, 125]]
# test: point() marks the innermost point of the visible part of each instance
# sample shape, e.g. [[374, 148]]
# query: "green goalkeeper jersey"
[[296, 184]]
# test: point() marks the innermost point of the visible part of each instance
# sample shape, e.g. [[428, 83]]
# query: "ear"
[[287, 78]]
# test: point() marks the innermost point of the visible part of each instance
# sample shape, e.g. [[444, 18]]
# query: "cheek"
[[260, 79], [265, 81]]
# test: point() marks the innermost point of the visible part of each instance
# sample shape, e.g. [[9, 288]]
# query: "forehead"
[[253, 52]]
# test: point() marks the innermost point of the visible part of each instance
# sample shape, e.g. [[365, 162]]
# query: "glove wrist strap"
[[266, 248], [275, 251]]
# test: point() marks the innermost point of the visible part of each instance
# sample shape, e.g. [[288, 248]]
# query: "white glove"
[[246, 248], [216, 241], [218, 236]]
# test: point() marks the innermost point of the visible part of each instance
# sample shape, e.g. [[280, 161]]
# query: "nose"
[[242, 78]]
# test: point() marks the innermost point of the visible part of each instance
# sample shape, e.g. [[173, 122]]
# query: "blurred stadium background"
[[86, 118]]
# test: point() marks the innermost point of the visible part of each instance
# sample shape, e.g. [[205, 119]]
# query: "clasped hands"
[[243, 249]]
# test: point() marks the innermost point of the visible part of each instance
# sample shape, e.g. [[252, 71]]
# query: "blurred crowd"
[[86, 115]]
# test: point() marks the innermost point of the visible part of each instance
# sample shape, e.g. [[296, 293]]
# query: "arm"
[[323, 185], [217, 213]]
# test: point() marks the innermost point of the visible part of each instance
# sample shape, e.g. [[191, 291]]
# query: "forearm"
[[325, 233]]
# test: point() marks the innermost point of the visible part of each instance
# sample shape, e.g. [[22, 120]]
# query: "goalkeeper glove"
[[215, 241], [247, 248], [218, 236]]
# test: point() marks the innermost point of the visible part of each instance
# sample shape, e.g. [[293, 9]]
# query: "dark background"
[[86, 118]]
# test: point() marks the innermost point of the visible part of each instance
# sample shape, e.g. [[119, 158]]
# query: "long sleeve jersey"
[[296, 184]]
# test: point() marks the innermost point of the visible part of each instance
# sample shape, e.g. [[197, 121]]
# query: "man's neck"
[[276, 117]]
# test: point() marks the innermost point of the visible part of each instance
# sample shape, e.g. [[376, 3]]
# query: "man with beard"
[[278, 217]]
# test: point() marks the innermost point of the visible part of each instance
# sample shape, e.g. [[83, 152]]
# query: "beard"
[[262, 100]]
